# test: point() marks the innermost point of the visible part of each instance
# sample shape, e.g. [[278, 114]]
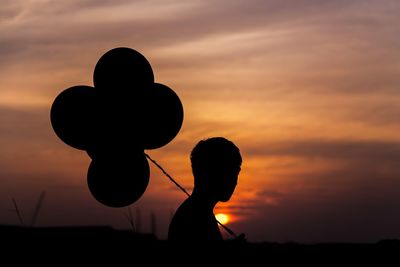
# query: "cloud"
[[378, 151], [9, 10], [31, 152], [380, 114], [340, 210], [349, 204], [192, 22], [312, 47], [356, 198]]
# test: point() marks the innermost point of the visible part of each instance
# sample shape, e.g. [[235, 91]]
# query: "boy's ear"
[[202, 172]]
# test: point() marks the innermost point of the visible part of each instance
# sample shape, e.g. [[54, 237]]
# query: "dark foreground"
[[101, 245]]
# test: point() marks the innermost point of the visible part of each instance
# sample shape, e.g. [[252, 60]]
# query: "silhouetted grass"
[[101, 241]]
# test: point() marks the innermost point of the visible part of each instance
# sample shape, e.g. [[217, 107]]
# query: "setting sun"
[[222, 218]]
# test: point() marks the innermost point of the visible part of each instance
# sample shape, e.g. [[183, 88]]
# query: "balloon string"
[[184, 191], [169, 176]]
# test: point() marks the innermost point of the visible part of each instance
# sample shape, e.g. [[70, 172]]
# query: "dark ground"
[[100, 245]]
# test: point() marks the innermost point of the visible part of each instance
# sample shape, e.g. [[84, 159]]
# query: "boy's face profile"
[[227, 182]]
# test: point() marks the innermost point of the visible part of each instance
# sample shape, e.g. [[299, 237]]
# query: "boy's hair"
[[213, 155]]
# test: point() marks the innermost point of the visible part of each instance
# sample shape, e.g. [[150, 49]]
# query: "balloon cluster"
[[124, 113]]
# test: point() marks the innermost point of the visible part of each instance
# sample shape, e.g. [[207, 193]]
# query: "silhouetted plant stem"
[[17, 211], [129, 217], [37, 209]]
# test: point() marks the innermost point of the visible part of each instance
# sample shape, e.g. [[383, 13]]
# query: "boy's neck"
[[203, 199]]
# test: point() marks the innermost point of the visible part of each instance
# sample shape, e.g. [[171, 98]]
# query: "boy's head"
[[216, 165]]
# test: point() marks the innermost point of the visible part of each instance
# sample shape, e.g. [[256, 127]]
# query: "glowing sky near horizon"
[[309, 90]]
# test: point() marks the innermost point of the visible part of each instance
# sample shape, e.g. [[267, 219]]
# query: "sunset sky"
[[309, 90]]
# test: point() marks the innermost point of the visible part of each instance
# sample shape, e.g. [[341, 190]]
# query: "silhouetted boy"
[[215, 165]]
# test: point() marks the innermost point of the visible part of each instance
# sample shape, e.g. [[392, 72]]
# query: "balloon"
[[115, 127], [72, 115], [118, 181], [122, 70], [125, 113], [146, 122], [163, 116]]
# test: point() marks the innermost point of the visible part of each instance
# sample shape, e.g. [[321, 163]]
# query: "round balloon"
[[118, 181], [162, 118], [72, 115], [123, 71]]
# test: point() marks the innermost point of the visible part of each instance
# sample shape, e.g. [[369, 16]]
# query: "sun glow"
[[222, 218]]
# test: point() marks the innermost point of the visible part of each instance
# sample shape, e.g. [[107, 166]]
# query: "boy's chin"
[[225, 198]]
